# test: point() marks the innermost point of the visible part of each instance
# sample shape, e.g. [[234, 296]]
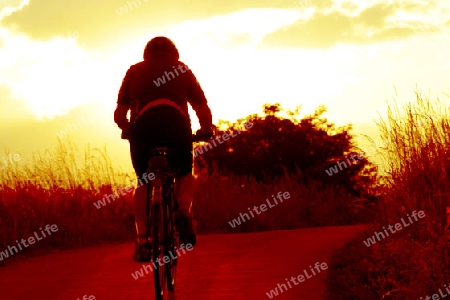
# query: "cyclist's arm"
[[120, 116], [199, 103], [204, 116], [123, 104]]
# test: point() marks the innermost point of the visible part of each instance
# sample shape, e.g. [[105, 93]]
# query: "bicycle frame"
[[161, 205]]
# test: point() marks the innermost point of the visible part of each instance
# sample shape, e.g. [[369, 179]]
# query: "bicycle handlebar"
[[198, 137], [202, 137]]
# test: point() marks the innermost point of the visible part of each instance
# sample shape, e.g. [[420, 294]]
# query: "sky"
[[62, 62]]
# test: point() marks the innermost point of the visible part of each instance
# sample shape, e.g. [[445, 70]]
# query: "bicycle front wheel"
[[159, 273]]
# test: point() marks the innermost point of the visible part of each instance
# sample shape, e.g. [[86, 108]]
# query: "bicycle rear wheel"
[[158, 251], [173, 239]]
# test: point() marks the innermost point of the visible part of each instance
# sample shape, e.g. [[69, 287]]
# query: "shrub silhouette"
[[277, 144]]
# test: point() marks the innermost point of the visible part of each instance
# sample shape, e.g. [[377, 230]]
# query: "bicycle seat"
[[160, 162], [161, 151]]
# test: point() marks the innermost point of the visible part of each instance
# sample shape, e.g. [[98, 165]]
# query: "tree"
[[275, 145]]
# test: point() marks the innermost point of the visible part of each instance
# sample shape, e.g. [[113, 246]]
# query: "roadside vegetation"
[[61, 185], [413, 262]]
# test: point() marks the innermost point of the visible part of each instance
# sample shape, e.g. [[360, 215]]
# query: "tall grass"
[[413, 262], [221, 199], [60, 187], [417, 149]]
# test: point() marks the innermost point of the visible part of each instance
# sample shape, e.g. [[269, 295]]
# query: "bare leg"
[[184, 192], [140, 210]]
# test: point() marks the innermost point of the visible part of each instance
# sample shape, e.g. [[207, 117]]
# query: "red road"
[[225, 266]]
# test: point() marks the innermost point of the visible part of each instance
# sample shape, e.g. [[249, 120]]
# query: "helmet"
[[160, 45]]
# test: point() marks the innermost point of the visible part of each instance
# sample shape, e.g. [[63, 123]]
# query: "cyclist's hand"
[[126, 132], [125, 135], [208, 132]]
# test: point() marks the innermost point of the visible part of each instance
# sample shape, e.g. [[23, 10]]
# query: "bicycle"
[[161, 208]]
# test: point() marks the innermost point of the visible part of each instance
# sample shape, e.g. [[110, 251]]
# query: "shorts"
[[161, 126]]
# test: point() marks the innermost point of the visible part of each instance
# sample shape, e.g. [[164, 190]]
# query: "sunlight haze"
[[62, 61]]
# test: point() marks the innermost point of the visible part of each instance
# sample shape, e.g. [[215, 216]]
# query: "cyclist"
[[159, 118]]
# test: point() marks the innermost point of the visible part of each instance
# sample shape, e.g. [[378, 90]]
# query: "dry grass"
[[417, 150], [413, 262], [219, 200], [397, 268], [60, 186]]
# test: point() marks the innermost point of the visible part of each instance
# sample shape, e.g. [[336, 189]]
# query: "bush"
[[276, 145]]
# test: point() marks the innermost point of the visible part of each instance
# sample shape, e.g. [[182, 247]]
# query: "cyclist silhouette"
[[159, 118]]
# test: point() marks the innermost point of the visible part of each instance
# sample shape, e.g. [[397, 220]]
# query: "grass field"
[[413, 262]]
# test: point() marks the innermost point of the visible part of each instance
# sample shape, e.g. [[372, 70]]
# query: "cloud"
[[53, 76], [245, 27], [375, 16], [233, 40], [321, 31], [13, 110], [58, 74], [350, 24], [113, 23], [8, 7], [102, 22]]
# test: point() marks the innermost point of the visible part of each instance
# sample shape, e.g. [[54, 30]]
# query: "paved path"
[[225, 266]]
